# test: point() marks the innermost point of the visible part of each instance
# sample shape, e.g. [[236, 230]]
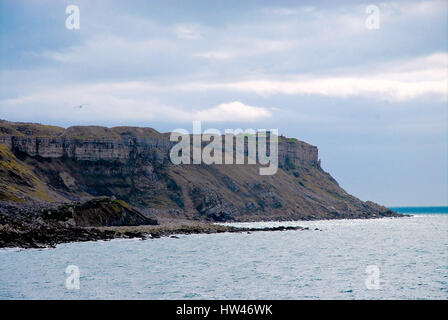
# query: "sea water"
[[408, 256]]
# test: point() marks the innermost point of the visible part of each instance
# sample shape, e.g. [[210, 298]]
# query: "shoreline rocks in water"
[[25, 234], [41, 225], [97, 219]]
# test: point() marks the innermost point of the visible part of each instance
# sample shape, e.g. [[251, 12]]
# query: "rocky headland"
[[52, 181]]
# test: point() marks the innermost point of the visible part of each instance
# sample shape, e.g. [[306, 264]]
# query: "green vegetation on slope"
[[17, 180]]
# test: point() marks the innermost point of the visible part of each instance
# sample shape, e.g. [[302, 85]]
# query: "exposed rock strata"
[[46, 163]]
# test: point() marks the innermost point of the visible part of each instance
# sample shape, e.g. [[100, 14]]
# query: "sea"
[[389, 258]]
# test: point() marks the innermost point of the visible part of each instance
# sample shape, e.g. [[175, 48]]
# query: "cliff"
[[93, 143], [47, 163]]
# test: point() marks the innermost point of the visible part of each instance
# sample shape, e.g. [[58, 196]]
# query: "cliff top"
[[81, 132], [29, 129], [9, 128]]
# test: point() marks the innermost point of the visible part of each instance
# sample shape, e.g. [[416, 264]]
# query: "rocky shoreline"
[[20, 235], [88, 183], [30, 226]]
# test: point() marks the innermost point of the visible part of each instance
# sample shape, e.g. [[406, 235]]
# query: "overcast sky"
[[374, 101]]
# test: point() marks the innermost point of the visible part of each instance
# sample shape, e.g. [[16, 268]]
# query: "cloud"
[[377, 88], [110, 51], [121, 101], [397, 81], [286, 11], [244, 48], [103, 105], [235, 111], [135, 71], [411, 9], [187, 32]]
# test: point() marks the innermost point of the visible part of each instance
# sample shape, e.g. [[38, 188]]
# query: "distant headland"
[[46, 167]]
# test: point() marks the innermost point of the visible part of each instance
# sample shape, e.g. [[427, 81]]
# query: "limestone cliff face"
[[123, 146], [89, 149], [133, 165]]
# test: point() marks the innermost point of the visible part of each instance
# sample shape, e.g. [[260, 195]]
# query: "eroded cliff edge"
[[53, 164]]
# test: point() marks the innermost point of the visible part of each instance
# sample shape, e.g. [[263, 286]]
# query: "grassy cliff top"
[[9, 128], [89, 132], [80, 132], [29, 129]]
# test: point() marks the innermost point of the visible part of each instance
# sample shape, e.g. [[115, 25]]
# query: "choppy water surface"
[[411, 254]]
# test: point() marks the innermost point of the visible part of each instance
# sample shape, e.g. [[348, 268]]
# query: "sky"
[[373, 100]]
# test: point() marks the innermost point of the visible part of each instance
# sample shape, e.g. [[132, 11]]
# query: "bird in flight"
[[80, 106]]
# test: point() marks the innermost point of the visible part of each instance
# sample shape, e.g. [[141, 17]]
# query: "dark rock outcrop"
[[23, 226], [99, 213], [37, 225]]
